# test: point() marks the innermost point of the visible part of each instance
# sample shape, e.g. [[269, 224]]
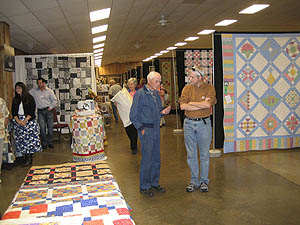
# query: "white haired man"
[[145, 114]]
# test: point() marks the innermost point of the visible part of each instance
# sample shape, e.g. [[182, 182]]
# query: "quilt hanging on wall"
[[68, 76], [199, 57], [261, 91]]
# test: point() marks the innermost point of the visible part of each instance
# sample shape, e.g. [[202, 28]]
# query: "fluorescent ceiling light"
[[191, 39], [164, 51], [206, 31], [154, 56], [101, 53], [99, 39], [98, 50], [98, 57], [99, 14], [180, 44], [98, 62], [145, 60], [225, 22], [99, 29], [158, 54], [98, 46], [254, 8], [171, 48]]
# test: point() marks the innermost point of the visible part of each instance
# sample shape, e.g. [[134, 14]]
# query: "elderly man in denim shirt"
[[145, 114]]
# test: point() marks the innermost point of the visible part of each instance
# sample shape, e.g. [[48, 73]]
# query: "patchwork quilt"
[[199, 57], [87, 202], [261, 91], [69, 172]]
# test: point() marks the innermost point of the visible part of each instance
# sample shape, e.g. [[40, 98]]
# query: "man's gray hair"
[[132, 79], [151, 75]]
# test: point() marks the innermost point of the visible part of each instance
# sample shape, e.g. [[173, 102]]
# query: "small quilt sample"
[[261, 91]]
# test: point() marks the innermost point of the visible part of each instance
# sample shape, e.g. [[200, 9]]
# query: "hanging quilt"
[[261, 91], [200, 57]]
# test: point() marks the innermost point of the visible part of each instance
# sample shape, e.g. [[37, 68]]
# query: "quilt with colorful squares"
[[261, 91]]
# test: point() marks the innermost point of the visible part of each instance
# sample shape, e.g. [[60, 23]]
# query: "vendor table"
[[87, 138]]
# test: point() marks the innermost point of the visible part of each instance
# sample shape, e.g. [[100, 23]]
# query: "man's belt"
[[197, 119], [44, 109]]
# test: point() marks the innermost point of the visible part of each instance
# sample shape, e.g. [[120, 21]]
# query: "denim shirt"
[[145, 112]]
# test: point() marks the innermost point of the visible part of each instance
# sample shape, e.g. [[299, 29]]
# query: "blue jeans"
[[114, 108], [150, 162], [45, 120], [197, 133]]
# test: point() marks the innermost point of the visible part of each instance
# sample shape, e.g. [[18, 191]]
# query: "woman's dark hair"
[[25, 92]]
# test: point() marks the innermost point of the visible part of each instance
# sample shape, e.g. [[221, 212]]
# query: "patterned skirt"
[[27, 138]]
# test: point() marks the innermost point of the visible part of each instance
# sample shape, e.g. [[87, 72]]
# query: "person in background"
[[162, 93], [4, 113], [145, 114], [196, 99], [123, 101], [125, 85], [26, 129], [142, 83], [45, 102], [113, 90]]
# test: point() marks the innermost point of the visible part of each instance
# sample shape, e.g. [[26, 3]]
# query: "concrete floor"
[[245, 188]]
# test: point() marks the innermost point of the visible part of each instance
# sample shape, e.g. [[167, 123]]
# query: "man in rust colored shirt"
[[196, 99]]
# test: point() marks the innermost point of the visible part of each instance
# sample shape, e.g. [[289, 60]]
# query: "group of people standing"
[[30, 135], [146, 110]]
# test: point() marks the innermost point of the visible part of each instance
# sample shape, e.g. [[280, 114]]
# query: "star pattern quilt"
[[261, 91], [88, 201]]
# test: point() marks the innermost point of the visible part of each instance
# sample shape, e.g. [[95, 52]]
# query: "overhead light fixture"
[[98, 50], [254, 8], [99, 29], [98, 46], [191, 39], [99, 39], [180, 44], [206, 31], [171, 48], [99, 14], [101, 53], [225, 22], [154, 56], [164, 51], [98, 57], [146, 60], [158, 54], [98, 62]]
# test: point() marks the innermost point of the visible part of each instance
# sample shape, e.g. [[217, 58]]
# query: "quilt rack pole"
[[213, 152], [177, 130]]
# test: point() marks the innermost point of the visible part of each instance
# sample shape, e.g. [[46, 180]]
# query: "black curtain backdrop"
[[133, 73], [146, 66], [218, 81], [138, 72]]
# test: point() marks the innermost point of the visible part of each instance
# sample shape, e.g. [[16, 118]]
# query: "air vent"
[[198, 2]]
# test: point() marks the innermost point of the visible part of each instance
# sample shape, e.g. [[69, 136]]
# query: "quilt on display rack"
[[88, 138], [166, 76], [261, 91], [200, 57], [86, 202], [69, 77]]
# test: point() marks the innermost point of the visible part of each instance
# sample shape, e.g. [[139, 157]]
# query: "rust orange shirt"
[[192, 93]]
